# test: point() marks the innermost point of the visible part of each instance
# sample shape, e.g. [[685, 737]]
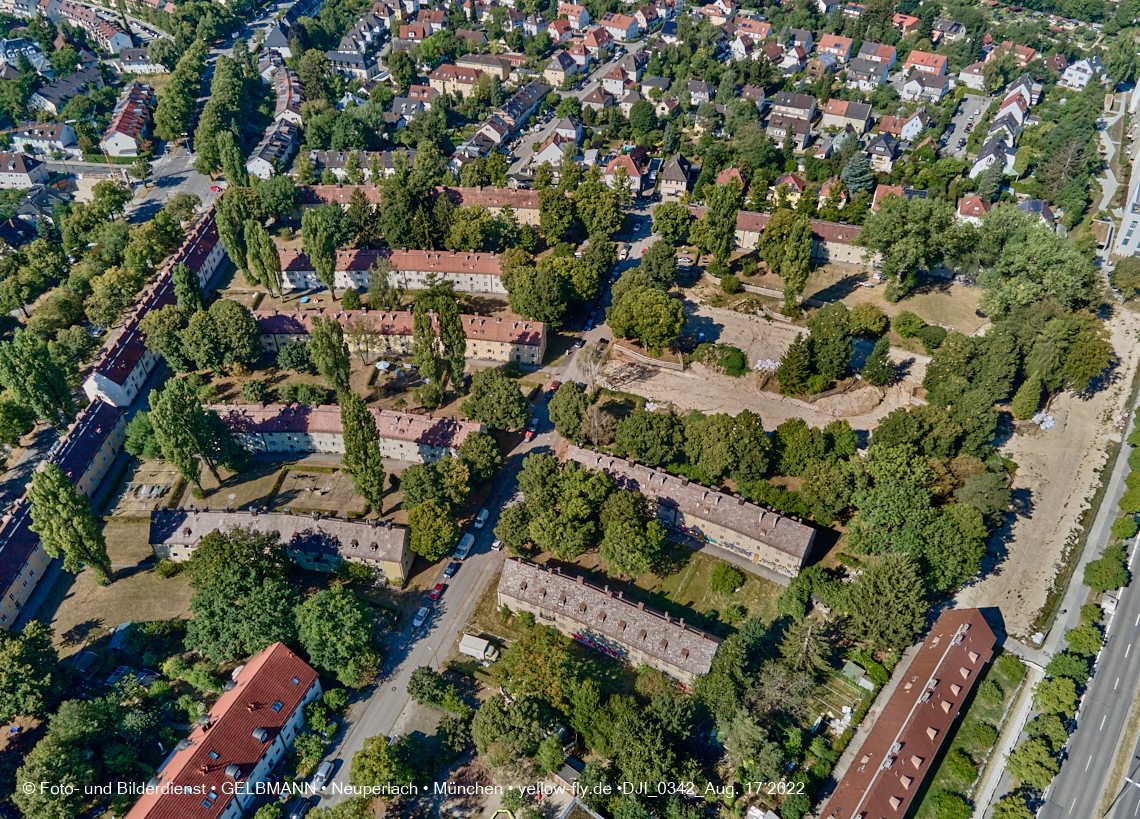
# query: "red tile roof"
[[476, 328], [414, 260], [900, 750], [268, 677]]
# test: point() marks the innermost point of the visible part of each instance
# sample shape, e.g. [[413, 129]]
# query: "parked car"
[[300, 808], [481, 518], [496, 545], [531, 428], [437, 592], [451, 569], [579, 342], [420, 617], [465, 544], [321, 779], [554, 385]]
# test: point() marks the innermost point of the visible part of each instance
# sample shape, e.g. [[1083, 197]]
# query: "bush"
[[990, 693], [947, 805], [350, 300], [1092, 613], [285, 233], [907, 324], [748, 267], [867, 320], [981, 734], [335, 699], [960, 766], [512, 369], [1126, 527], [732, 614], [253, 392], [730, 284], [725, 579], [166, 568], [717, 269], [1009, 666], [931, 337]]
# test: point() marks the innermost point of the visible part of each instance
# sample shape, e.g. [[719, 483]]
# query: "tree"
[[671, 221], [335, 630], [795, 367], [379, 765], [320, 235], [66, 525], [231, 160], [886, 604], [827, 487], [187, 289], [632, 541], [880, 367], [183, 430], [34, 378], [480, 453], [990, 182], [647, 314], [183, 205], [1056, 696], [433, 531], [239, 340], [1125, 277], [1085, 640], [403, 69], [538, 664], [1027, 398], [912, 235], [715, 232], [140, 169], [549, 756], [426, 686], [857, 174], [1012, 806], [140, 440], [362, 450], [1032, 764], [264, 259], [495, 400], [796, 264], [329, 353], [27, 659], [1108, 572], [567, 408], [294, 356], [659, 265]]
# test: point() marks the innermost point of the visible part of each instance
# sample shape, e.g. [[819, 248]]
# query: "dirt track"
[[1057, 472]]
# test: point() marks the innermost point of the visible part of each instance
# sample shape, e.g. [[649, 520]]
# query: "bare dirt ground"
[[700, 388], [148, 486], [80, 611], [1057, 474]]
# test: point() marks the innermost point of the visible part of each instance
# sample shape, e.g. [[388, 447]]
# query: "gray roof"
[[60, 91], [657, 82], [608, 613], [884, 145], [304, 533], [704, 503], [276, 38], [675, 170]]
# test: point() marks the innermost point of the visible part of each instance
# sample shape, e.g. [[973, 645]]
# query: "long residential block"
[[831, 242], [607, 621], [523, 203], [899, 752], [216, 772], [407, 269], [375, 334], [126, 362], [762, 536], [319, 543], [404, 436]]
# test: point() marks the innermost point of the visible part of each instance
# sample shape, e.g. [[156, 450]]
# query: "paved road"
[[971, 104], [1078, 787], [524, 149]]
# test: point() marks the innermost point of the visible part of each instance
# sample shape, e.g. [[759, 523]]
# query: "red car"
[[437, 592], [215, 189], [554, 385]]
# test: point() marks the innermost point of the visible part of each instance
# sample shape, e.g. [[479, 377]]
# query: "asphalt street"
[[971, 104], [1088, 758], [530, 141]]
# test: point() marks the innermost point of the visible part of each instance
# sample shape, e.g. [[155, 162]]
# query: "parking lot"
[[970, 111]]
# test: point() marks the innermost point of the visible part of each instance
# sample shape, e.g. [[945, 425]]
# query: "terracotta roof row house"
[[606, 620], [288, 95], [900, 750], [274, 150], [128, 127], [216, 771], [841, 113], [838, 47], [408, 269], [926, 62], [621, 27]]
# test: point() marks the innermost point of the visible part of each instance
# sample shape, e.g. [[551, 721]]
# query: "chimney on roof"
[[641, 605]]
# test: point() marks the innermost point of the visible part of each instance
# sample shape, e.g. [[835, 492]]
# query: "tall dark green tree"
[[329, 353], [187, 289], [35, 379], [184, 430], [715, 232], [796, 264], [320, 236], [66, 525], [362, 449]]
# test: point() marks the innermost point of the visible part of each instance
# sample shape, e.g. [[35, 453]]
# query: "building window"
[[277, 706], [213, 754]]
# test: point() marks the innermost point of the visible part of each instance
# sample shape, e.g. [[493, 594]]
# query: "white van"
[[481, 520], [465, 545]]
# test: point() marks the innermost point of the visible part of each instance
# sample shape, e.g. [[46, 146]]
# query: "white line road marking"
[[1102, 719], [1137, 809], [1127, 650], [1072, 806], [1137, 620], [1089, 762]]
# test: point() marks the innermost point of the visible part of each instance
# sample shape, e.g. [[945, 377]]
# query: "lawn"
[[80, 611], [236, 490], [1007, 671]]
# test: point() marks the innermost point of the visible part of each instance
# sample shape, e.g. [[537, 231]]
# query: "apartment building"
[[274, 150], [46, 138], [287, 94], [831, 242], [607, 621], [215, 772], [765, 538], [21, 171], [52, 98], [126, 362], [312, 541], [404, 436], [451, 79], [138, 61], [335, 161], [408, 269], [375, 334], [129, 122], [900, 751]]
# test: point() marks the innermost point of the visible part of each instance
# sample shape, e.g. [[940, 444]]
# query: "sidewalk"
[[995, 782]]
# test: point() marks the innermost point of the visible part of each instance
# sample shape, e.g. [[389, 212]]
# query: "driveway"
[[971, 104]]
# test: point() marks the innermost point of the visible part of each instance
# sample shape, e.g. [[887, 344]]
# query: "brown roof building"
[[243, 736], [312, 541], [900, 750], [778, 543], [606, 620], [409, 269]]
